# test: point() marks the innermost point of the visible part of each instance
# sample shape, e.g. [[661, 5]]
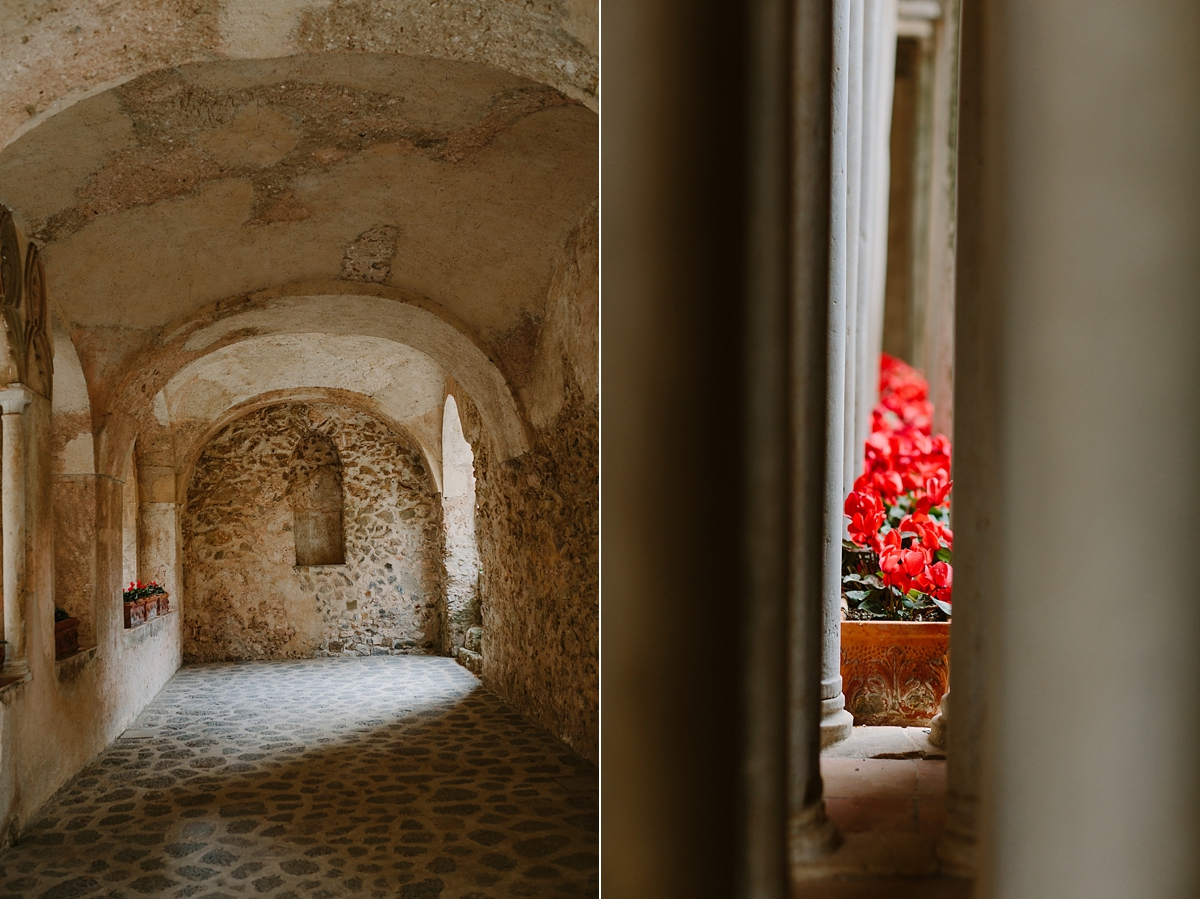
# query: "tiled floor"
[[891, 813], [887, 796], [382, 777]]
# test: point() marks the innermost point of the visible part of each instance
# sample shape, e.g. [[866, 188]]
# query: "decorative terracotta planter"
[[150, 604], [135, 613], [66, 637], [895, 672], [164, 603]]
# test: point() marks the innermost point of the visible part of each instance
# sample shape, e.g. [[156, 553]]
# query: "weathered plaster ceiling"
[[191, 188]]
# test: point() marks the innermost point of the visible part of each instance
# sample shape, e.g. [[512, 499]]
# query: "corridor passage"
[[394, 776]]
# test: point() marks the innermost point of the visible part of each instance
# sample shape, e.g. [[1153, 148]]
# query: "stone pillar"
[[675, 241], [836, 722], [852, 186], [877, 143], [13, 401], [977, 491], [1079, 219], [935, 337], [939, 726], [158, 547]]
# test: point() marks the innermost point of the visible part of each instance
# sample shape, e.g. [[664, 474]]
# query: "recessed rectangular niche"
[[315, 495]]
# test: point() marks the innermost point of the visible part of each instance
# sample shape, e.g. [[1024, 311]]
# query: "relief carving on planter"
[[28, 351], [894, 673]]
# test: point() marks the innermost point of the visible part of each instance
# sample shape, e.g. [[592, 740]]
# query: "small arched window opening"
[[315, 495], [462, 554]]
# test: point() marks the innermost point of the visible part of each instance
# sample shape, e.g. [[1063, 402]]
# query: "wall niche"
[[315, 495], [311, 529]]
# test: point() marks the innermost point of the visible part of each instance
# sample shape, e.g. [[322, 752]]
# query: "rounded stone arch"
[[462, 561], [289, 459], [195, 441], [73, 449], [73, 484], [356, 312]]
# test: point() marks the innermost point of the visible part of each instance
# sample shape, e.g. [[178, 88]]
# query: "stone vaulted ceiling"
[[183, 190]]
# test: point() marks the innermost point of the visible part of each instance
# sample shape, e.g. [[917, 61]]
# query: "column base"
[[16, 668], [958, 848], [811, 835], [836, 722], [939, 726]]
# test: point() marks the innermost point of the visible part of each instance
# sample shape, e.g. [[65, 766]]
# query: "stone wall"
[[538, 520], [246, 597]]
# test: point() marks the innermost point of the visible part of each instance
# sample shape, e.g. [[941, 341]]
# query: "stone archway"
[[464, 617], [251, 597]]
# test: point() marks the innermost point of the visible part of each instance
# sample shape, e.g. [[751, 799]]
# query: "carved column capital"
[[14, 399]]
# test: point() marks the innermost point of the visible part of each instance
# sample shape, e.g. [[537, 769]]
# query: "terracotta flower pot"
[[150, 604], [66, 637], [164, 603], [135, 613], [895, 672]]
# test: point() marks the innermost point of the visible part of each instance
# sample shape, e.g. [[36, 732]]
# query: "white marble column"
[[877, 118], [836, 722], [852, 187], [13, 401]]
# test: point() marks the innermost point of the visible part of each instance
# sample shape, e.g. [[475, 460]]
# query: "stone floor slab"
[[378, 777]]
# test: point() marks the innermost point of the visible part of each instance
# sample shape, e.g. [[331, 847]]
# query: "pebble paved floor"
[[384, 777]]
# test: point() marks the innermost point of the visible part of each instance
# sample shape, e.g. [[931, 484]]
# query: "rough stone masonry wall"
[[246, 598], [537, 519]]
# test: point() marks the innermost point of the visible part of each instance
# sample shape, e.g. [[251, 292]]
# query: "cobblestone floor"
[[383, 777]]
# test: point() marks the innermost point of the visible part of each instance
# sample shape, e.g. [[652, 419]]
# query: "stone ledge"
[[871, 742], [9, 685], [69, 667], [472, 661], [139, 633]]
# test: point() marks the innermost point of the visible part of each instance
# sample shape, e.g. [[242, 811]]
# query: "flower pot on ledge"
[[895, 672], [66, 637], [150, 604], [135, 613], [164, 603]]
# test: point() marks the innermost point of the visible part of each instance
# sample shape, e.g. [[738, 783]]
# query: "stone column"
[[877, 129], [13, 401], [836, 722], [852, 186], [675, 245], [1079, 221], [158, 547], [977, 490]]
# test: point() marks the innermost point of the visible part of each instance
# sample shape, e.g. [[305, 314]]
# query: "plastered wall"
[[57, 721], [249, 600]]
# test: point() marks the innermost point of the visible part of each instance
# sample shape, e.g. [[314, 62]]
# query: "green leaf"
[[944, 606], [873, 607], [857, 595], [945, 555]]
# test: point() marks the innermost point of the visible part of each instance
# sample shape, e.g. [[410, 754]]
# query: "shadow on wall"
[[277, 469]]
